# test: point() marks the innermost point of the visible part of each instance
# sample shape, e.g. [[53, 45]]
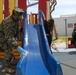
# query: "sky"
[[63, 7]]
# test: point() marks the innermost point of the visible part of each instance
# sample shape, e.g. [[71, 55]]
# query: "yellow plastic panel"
[[1, 10], [11, 5], [33, 19]]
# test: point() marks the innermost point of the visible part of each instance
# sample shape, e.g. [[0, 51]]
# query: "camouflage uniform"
[[8, 31]]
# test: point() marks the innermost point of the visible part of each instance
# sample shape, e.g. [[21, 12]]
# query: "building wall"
[[65, 25]]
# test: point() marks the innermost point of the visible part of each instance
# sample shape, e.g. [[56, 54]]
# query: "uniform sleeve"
[[9, 36]]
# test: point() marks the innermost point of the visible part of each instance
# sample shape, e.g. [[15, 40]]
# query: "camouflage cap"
[[18, 12]]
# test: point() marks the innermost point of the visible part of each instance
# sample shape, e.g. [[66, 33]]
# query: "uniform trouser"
[[8, 53], [8, 57]]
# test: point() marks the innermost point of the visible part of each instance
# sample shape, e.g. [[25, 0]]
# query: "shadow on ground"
[[72, 52]]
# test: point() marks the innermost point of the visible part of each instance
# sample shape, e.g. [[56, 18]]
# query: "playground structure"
[[6, 7], [69, 43], [38, 59]]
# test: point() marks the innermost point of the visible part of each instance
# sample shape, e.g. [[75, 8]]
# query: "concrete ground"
[[67, 59]]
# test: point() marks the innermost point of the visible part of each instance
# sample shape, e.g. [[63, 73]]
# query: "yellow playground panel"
[[1, 10], [12, 4]]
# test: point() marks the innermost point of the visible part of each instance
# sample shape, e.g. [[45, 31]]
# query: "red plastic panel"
[[69, 43]]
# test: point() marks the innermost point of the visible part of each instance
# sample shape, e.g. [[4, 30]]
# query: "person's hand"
[[21, 50]]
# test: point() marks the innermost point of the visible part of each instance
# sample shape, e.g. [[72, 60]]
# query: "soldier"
[[8, 33]]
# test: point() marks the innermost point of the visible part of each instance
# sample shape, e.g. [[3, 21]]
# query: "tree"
[[53, 3]]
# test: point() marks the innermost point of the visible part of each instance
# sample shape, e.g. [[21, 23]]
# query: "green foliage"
[[63, 38]]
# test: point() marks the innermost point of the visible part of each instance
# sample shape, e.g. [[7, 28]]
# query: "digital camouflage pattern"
[[8, 33], [18, 12]]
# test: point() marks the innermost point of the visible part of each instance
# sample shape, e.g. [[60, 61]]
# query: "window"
[[70, 25]]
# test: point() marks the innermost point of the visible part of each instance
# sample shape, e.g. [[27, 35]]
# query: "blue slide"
[[37, 58]]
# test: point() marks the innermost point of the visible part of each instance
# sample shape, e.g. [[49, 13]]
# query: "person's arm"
[[44, 16], [45, 21]]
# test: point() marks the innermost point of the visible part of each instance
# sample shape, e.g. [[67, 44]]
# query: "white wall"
[[61, 25]]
